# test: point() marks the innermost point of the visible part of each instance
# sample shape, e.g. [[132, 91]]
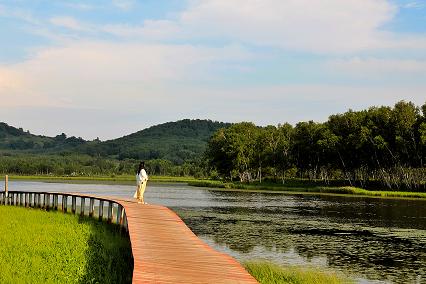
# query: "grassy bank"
[[308, 188], [269, 273], [296, 186], [51, 247], [121, 179]]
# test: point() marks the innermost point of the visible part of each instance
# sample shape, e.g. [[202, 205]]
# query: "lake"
[[371, 240]]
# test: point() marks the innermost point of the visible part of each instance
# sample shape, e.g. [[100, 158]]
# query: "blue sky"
[[109, 68]]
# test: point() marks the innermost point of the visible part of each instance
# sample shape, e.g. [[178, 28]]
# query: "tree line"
[[377, 147], [86, 165]]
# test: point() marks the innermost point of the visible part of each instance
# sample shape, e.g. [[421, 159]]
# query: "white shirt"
[[141, 177]]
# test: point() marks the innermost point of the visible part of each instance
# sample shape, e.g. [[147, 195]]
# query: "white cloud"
[[124, 5], [310, 25], [318, 26], [69, 23], [104, 73], [375, 67], [79, 6], [331, 26], [414, 5], [150, 30]]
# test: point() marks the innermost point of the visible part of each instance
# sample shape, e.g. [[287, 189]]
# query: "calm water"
[[371, 240]]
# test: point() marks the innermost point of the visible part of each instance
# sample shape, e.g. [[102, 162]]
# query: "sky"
[[110, 68]]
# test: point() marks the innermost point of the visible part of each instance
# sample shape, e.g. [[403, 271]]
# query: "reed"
[[270, 273]]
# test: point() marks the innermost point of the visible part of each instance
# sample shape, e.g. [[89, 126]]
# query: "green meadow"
[[52, 247]]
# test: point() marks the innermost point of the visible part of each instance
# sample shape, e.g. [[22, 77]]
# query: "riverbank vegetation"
[[112, 179], [380, 148], [51, 247], [269, 273], [301, 186]]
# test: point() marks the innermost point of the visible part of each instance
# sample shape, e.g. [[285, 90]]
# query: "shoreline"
[[235, 187]]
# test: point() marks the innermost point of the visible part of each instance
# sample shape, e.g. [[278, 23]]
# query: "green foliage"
[[270, 273], [381, 147], [177, 142], [51, 247], [87, 166]]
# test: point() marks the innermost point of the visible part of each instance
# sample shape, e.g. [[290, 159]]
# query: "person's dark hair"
[[141, 166]]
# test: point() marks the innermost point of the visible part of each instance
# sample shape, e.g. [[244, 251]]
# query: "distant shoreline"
[[121, 179], [228, 186]]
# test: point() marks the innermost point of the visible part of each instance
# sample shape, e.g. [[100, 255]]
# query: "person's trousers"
[[141, 190]]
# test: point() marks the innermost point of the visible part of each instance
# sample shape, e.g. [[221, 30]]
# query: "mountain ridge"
[[176, 141]]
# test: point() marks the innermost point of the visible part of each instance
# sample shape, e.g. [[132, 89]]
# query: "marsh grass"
[[51, 247], [312, 189], [270, 273]]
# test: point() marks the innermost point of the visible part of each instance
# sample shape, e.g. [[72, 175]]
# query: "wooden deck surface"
[[165, 250]]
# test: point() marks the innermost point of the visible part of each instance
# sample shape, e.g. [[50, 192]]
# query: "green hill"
[[174, 141], [17, 140]]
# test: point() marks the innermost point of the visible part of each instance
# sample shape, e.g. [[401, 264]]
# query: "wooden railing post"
[[6, 184], [30, 201], [55, 202], [101, 209], [82, 204], [125, 222], [119, 212], [48, 202], [64, 203], [109, 212], [91, 207], [73, 204]]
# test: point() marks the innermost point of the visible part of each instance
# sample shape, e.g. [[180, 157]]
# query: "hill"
[[174, 141], [17, 140]]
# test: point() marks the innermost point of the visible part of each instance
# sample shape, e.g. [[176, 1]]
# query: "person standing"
[[141, 180]]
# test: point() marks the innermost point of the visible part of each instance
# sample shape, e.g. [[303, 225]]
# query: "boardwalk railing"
[[80, 204]]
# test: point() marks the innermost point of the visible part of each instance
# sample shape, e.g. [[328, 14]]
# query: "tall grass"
[[269, 273], [313, 189], [51, 247]]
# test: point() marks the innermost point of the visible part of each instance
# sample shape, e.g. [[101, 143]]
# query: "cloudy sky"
[[109, 68]]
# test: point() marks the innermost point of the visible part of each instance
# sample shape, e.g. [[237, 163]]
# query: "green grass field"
[[51, 247], [269, 273]]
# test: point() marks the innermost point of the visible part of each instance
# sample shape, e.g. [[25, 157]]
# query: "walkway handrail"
[[51, 201]]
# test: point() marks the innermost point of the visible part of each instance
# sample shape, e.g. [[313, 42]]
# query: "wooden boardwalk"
[[165, 250]]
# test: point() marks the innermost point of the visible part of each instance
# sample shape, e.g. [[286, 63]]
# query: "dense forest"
[[383, 147]]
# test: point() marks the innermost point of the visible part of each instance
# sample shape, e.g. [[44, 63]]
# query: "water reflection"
[[376, 239]]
